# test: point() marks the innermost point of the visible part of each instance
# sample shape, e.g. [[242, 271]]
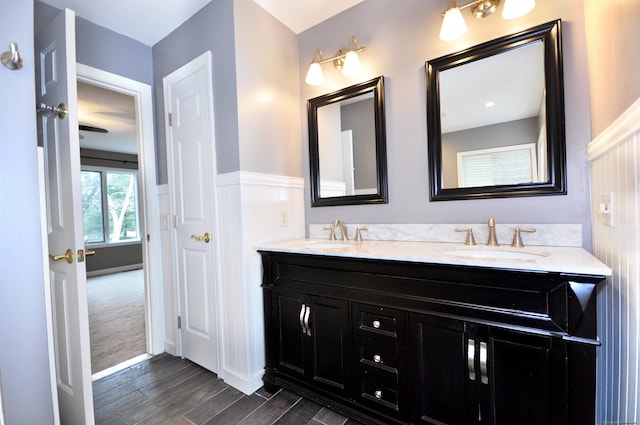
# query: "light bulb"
[[453, 25], [516, 8], [314, 75], [351, 64]]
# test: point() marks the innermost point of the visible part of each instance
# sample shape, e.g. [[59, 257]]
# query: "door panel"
[[442, 376], [292, 338], [55, 84], [330, 337], [196, 293], [523, 387], [191, 150]]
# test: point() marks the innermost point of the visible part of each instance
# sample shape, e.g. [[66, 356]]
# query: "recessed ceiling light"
[[489, 104]]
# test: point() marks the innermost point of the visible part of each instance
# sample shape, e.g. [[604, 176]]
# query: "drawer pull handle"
[[304, 330], [377, 358], [378, 394], [306, 319], [484, 378], [376, 324], [471, 354]]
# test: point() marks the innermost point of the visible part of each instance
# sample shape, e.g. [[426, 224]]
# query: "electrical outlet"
[[283, 208], [606, 209]]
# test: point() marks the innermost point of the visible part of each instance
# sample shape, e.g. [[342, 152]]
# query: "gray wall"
[[210, 29], [359, 117], [268, 92], [613, 58], [399, 40], [255, 86], [24, 361], [104, 49]]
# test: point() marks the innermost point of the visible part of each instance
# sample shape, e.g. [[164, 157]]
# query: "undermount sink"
[[328, 245], [495, 254]]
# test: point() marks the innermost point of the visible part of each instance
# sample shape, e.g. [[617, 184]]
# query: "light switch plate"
[[607, 209]]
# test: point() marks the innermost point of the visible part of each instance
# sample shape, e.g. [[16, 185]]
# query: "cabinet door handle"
[[484, 378], [306, 319], [304, 330], [471, 356]]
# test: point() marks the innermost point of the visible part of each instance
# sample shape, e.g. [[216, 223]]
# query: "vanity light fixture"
[[346, 60], [454, 26]]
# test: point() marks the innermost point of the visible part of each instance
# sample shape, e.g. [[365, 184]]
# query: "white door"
[[55, 84], [347, 162], [190, 149]]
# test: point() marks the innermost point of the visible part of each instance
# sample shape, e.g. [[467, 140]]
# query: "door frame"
[[151, 240], [205, 61]]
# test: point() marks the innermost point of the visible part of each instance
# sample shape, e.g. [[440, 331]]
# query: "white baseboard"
[[242, 384], [114, 270]]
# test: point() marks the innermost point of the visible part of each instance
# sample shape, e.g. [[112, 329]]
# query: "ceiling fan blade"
[[83, 127]]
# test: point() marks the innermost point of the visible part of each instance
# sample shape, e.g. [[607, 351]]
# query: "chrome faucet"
[[493, 241], [343, 230]]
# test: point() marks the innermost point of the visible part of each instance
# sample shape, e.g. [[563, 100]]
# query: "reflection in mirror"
[[496, 118], [347, 146]]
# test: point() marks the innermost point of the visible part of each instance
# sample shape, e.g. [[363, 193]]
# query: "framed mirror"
[[495, 115], [347, 146]]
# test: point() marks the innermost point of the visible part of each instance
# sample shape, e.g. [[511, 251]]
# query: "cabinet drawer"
[[378, 322], [382, 357], [379, 392]]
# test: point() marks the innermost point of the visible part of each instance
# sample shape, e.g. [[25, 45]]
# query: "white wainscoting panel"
[[615, 172], [253, 209]]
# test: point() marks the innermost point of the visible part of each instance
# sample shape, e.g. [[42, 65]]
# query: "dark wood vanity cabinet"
[[475, 374], [414, 343], [313, 334]]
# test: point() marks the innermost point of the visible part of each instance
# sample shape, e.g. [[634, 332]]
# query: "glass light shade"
[[516, 8], [453, 25], [314, 75], [351, 64]]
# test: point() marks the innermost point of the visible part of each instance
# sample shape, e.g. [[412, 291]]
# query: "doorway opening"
[[124, 277], [113, 226]]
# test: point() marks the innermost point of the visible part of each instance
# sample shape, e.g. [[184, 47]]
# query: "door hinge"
[[148, 237], [179, 322], [175, 221], [170, 117]]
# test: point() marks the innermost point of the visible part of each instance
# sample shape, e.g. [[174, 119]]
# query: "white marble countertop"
[[531, 258]]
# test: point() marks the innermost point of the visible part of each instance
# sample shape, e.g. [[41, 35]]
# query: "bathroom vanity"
[[434, 333]]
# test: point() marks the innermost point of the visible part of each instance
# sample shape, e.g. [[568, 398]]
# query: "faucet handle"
[[517, 239], [358, 234], [470, 239], [332, 233]]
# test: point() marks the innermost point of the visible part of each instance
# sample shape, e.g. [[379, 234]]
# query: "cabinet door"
[[444, 394], [527, 379], [289, 349], [329, 344]]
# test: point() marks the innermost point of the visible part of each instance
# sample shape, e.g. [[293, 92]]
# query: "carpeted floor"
[[116, 318]]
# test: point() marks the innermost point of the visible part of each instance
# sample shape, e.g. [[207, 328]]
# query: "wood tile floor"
[[173, 391]]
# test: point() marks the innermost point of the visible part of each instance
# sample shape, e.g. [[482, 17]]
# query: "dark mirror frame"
[[376, 86], [550, 35]]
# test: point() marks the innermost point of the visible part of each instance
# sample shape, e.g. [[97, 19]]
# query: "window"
[[110, 206], [496, 166]]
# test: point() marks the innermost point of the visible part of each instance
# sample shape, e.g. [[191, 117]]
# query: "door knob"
[[206, 238], [68, 256]]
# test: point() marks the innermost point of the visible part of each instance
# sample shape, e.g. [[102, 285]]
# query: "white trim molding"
[[618, 132]]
